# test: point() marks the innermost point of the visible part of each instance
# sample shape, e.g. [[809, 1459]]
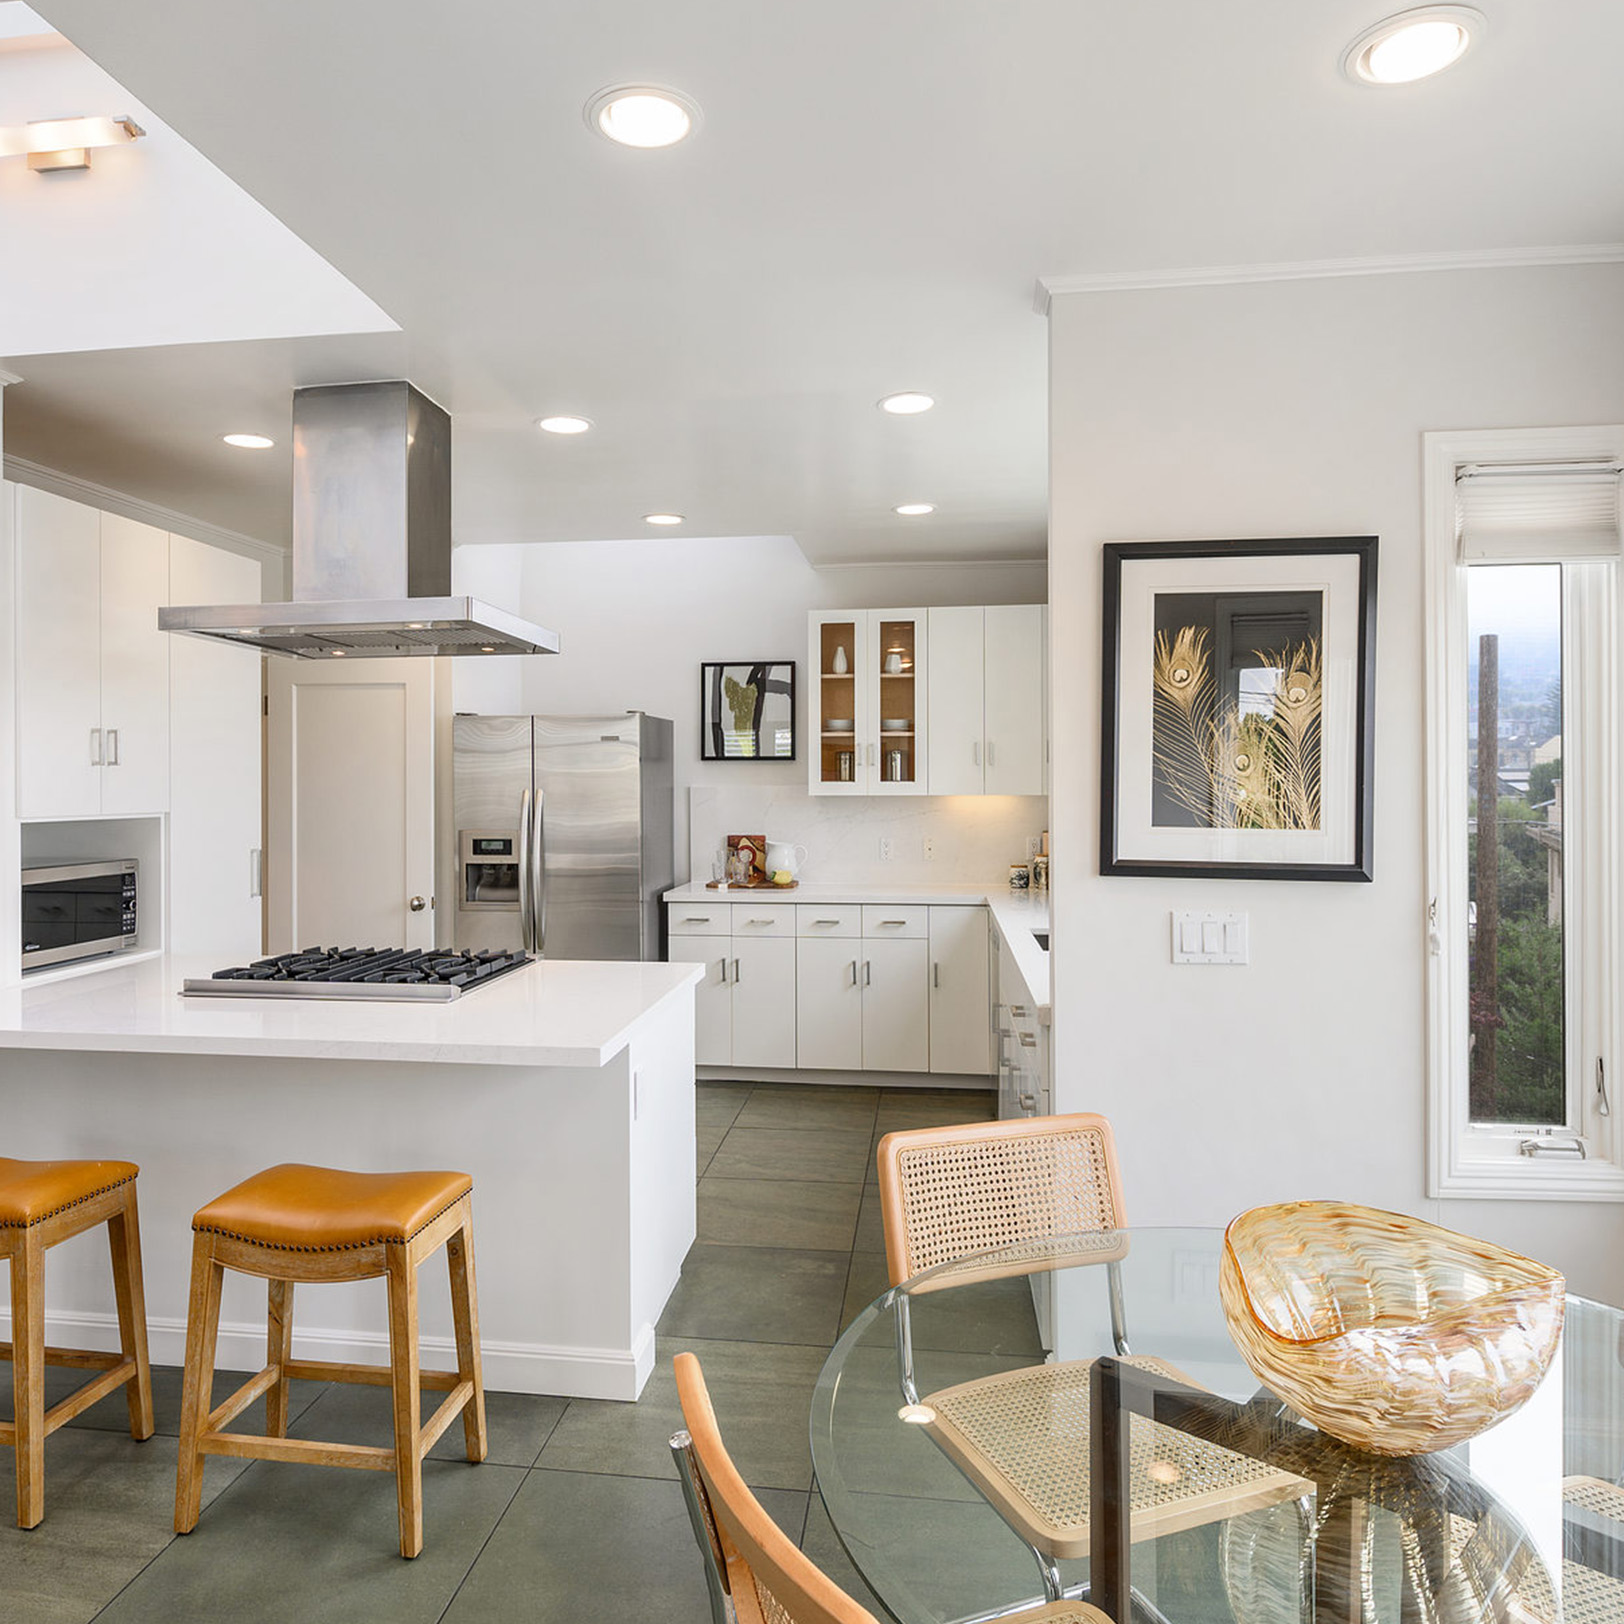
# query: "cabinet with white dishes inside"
[[867, 710]]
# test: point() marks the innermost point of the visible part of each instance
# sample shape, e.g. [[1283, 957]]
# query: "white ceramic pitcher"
[[784, 856]]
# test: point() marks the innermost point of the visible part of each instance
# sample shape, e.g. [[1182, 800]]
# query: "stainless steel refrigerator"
[[564, 833]]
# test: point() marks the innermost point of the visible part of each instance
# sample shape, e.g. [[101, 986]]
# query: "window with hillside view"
[[1518, 1074]]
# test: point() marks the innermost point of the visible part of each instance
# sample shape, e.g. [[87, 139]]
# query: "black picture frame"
[[772, 680], [1139, 828]]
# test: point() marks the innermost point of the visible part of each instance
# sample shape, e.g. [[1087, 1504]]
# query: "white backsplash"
[[975, 837]]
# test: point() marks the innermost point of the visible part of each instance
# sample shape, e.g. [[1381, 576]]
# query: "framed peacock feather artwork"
[[747, 711], [1239, 708]]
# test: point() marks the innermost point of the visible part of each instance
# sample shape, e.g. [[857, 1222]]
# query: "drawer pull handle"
[[1020, 1012], [893, 921], [758, 921], [696, 919], [854, 972], [868, 973], [825, 921], [735, 972], [724, 971], [936, 975], [1028, 1041]]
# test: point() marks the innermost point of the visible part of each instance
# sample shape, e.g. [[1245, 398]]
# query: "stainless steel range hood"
[[371, 541]]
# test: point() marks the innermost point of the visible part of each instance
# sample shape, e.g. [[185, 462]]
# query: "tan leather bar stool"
[[295, 1223], [42, 1203]]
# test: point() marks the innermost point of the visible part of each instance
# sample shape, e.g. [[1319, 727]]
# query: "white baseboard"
[[509, 1367], [844, 1079]]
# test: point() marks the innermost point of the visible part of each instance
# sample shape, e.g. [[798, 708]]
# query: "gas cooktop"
[[433, 975]]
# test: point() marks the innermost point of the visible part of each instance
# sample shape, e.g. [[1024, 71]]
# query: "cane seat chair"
[[41, 1204], [1023, 1190], [755, 1572], [295, 1223]]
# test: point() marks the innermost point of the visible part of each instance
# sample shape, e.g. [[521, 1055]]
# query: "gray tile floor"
[[576, 1514]]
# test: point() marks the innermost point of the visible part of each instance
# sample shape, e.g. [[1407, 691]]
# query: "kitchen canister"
[[844, 761], [893, 766], [1020, 877]]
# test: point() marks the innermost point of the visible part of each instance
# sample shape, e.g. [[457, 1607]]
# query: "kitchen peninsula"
[[566, 1089]]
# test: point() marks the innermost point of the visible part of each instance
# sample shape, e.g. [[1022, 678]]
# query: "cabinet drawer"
[[843, 919], [763, 919], [699, 918], [885, 920]]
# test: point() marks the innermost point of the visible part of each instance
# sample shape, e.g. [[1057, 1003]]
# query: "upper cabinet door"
[[955, 728], [899, 716], [842, 683], [59, 726], [1014, 699], [134, 667]]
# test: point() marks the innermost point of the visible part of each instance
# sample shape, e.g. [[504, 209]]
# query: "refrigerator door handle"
[[538, 869], [526, 926]]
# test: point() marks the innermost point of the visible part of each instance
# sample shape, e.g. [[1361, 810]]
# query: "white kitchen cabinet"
[[986, 705], [869, 719], [960, 992], [713, 997], [135, 667], [763, 1001], [829, 1003], [896, 1004], [214, 766], [59, 741], [93, 708]]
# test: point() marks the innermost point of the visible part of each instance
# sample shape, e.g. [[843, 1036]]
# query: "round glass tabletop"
[[954, 1442]]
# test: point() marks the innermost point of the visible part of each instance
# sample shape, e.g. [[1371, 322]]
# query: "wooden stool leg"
[[459, 1256], [202, 1332], [124, 1242], [404, 1367], [278, 1350], [28, 1375]]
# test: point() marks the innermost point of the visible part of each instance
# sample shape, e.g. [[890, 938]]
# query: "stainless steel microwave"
[[79, 911]]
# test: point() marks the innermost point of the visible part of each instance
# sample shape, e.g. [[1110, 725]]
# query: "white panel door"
[[1014, 699], [713, 997], [214, 767], [59, 739], [896, 1005], [350, 797], [764, 1001], [829, 1003], [955, 729], [134, 667], [960, 992]]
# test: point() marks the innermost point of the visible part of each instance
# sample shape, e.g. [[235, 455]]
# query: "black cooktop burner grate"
[[434, 975]]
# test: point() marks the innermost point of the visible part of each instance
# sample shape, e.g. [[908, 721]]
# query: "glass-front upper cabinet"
[[868, 706]]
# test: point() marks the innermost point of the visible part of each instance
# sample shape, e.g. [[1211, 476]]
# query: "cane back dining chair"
[[1016, 1189], [755, 1573]]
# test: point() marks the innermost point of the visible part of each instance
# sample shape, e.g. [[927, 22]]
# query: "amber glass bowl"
[[1387, 1332]]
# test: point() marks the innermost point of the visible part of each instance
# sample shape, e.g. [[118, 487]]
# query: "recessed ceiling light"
[[915, 510], [1412, 45], [249, 442], [564, 425], [662, 518], [642, 115], [907, 403]]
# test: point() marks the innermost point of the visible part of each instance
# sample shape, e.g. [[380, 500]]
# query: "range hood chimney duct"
[[371, 541]]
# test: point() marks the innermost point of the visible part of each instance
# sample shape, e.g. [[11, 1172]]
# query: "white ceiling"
[[871, 197]]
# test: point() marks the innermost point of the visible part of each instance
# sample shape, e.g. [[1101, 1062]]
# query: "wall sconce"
[[53, 144]]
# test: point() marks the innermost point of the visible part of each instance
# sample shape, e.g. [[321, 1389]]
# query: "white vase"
[[840, 662]]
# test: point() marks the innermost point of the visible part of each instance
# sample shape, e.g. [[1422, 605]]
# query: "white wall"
[[1283, 409], [637, 619]]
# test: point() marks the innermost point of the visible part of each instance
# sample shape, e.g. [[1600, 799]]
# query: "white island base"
[[566, 1091]]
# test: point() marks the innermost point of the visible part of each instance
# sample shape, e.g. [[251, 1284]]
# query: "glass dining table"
[[977, 1432]]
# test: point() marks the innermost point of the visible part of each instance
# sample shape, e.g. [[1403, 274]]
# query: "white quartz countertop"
[[1016, 913], [553, 1013]]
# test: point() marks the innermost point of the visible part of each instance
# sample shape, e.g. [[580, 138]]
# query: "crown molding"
[[108, 500], [1308, 270], [1040, 562]]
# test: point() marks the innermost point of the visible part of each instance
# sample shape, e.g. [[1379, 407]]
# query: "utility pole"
[[1485, 985]]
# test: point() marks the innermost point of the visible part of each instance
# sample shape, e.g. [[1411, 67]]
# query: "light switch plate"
[[1209, 938]]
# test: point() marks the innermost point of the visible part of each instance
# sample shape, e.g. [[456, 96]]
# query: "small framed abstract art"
[[1239, 689], [747, 711]]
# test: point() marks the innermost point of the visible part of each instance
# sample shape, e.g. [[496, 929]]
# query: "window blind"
[[1529, 512]]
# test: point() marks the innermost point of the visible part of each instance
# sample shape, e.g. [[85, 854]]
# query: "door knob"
[[417, 904]]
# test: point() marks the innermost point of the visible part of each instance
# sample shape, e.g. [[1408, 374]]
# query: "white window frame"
[[1477, 1161]]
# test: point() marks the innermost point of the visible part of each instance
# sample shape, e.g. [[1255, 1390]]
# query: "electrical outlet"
[[885, 851], [1034, 846], [929, 848]]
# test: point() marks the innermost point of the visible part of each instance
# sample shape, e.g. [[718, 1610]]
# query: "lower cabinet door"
[[713, 997], [763, 971], [829, 1003], [896, 1005], [960, 992]]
